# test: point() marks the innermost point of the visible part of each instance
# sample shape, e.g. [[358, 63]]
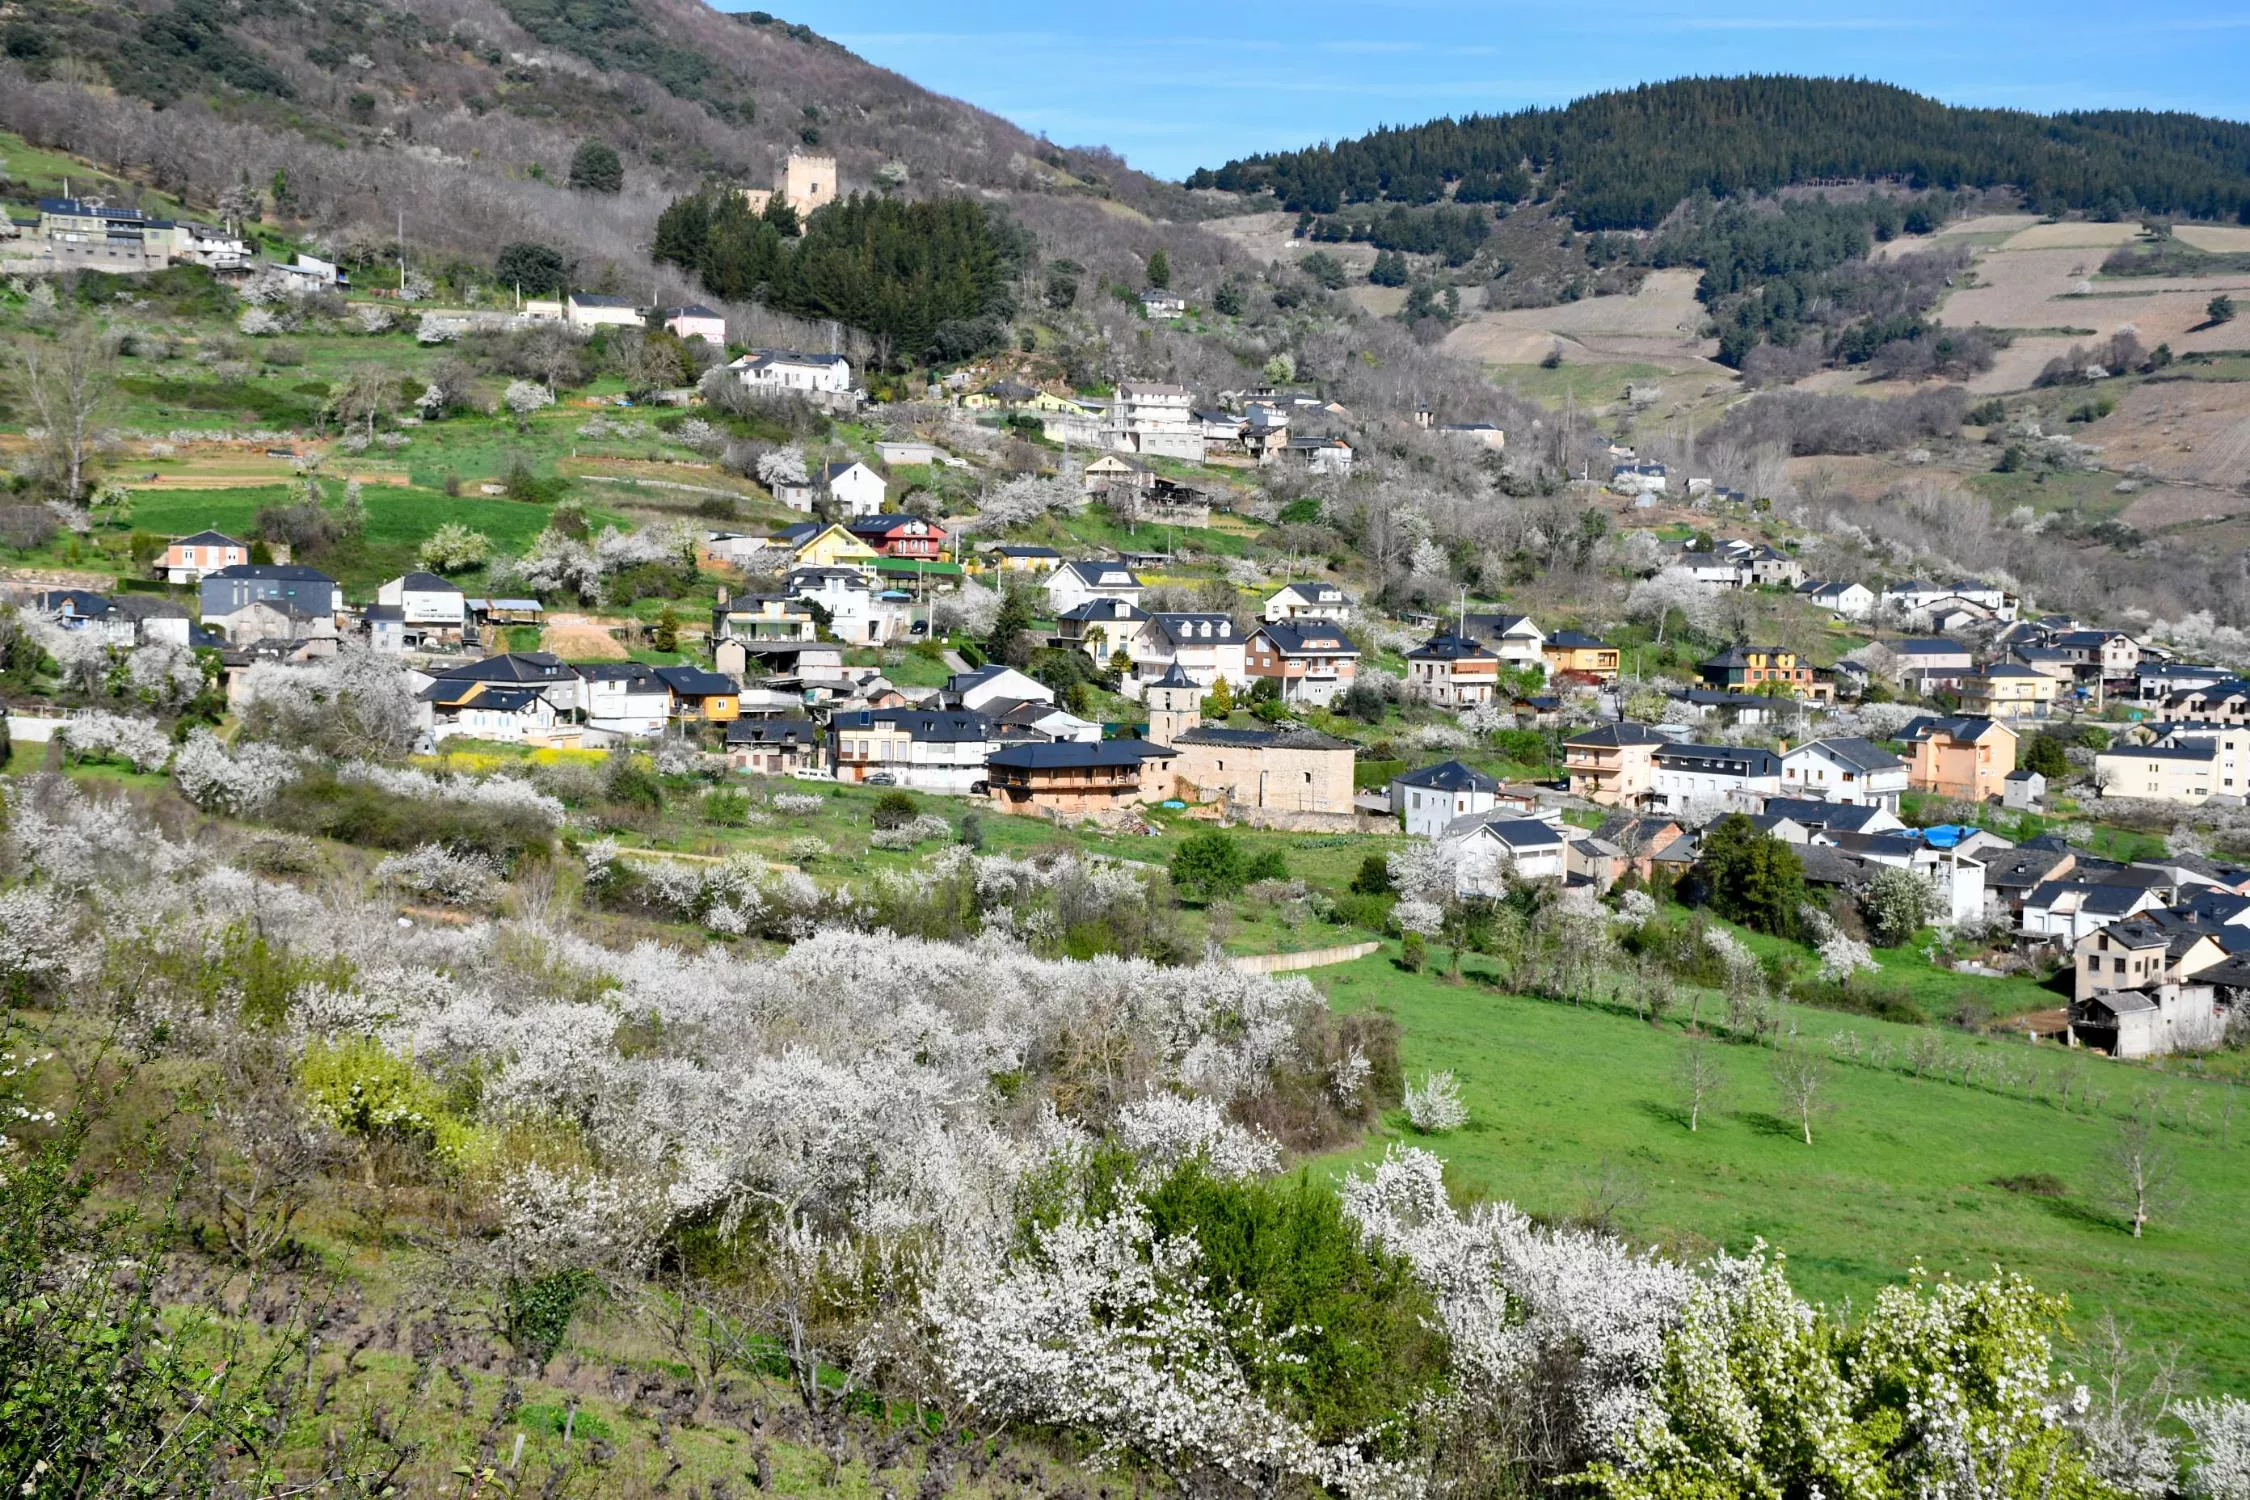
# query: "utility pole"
[[402, 251]]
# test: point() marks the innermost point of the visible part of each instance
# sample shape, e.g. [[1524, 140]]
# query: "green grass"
[[1585, 384], [2094, 495], [37, 173], [1903, 1170]]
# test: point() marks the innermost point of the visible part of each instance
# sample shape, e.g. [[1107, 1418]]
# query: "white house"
[[1155, 419], [592, 310], [858, 612], [1915, 599], [1205, 647], [926, 750], [426, 603], [1735, 778], [1308, 601], [1516, 639], [489, 711], [2065, 911], [626, 698], [786, 370], [1495, 850], [1074, 583], [1163, 305], [1850, 770], [995, 684], [1428, 801], [856, 489], [695, 321], [1853, 601]]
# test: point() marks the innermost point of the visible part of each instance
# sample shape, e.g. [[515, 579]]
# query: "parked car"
[[882, 778]]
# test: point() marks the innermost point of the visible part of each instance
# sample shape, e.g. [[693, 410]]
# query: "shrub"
[[894, 809], [1435, 1107], [1210, 865], [437, 873]]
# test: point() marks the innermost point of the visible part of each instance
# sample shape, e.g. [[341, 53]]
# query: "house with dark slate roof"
[[1426, 801]]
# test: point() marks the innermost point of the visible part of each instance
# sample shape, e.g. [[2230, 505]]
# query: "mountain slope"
[[462, 116], [1621, 160]]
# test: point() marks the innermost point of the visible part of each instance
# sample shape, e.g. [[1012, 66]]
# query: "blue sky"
[[1176, 84]]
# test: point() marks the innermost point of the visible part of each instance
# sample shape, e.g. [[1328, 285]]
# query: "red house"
[[900, 536]]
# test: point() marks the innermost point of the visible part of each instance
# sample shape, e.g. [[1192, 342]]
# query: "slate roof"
[[1619, 734], [426, 583], [1859, 753], [786, 733], [1072, 754], [1447, 646], [1308, 639], [208, 539], [1174, 678], [1721, 760], [1450, 776], [637, 676], [2167, 752], [1577, 640], [1812, 812], [1184, 629], [930, 726], [1512, 829], [513, 666]]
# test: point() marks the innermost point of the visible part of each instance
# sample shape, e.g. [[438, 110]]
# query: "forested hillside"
[[458, 121], [1623, 160]]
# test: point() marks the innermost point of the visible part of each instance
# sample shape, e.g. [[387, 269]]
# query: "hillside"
[[1622, 160], [339, 121]]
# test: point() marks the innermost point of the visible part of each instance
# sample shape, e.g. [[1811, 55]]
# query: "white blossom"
[[1167, 1130], [242, 781], [1434, 1106]]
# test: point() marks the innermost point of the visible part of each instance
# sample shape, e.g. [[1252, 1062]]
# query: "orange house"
[[697, 695], [1571, 651], [1614, 765], [1965, 758], [187, 559]]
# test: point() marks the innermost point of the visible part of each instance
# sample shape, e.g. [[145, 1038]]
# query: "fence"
[[1289, 963]]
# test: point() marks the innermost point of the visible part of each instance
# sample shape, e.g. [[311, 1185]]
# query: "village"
[[1941, 708]]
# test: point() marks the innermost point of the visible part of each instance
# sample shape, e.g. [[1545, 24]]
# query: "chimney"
[[1783, 748]]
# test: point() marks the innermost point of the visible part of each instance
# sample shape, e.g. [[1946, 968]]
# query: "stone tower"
[[1175, 706], [808, 182]]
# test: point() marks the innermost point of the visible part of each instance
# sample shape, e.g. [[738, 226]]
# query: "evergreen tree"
[[1753, 878], [594, 168], [1010, 640], [537, 269], [1159, 269]]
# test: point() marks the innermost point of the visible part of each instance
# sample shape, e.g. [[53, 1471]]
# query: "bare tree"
[[2133, 1390], [2142, 1171], [67, 383], [1801, 1076], [370, 391], [1701, 1080]]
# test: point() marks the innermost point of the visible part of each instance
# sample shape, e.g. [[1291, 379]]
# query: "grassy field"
[[1585, 384], [1575, 1112]]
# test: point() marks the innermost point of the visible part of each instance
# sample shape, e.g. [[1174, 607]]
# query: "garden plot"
[[2053, 288], [1273, 236], [1660, 321], [2195, 430], [2219, 239]]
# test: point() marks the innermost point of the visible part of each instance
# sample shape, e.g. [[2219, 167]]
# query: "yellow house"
[[831, 546], [701, 696], [2008, 691], [1569, 651]]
